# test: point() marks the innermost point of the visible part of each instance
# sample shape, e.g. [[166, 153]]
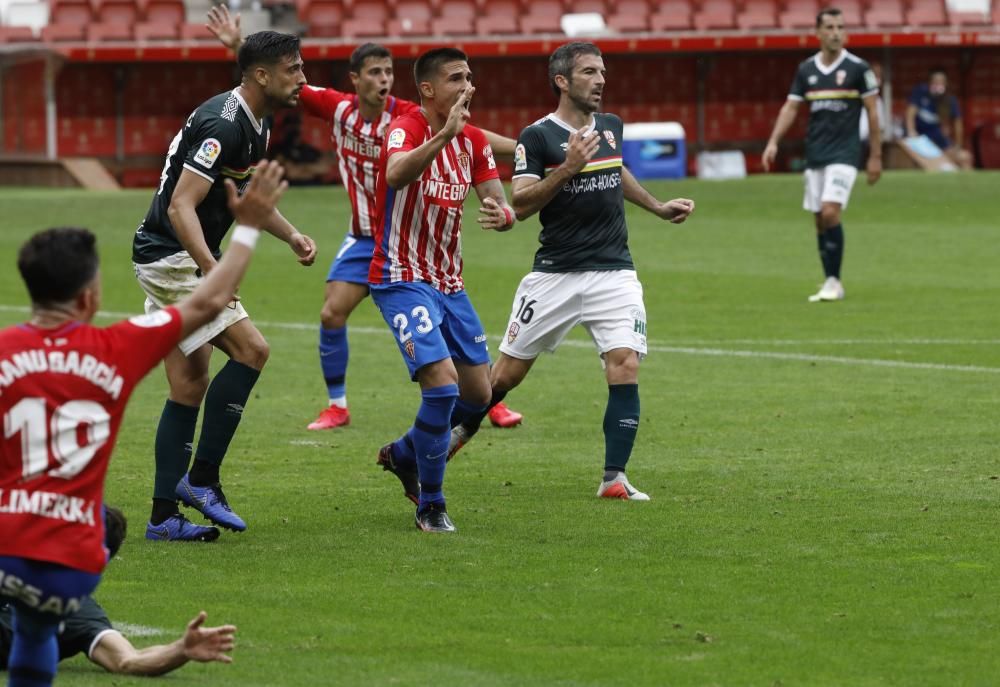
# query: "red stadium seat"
[[411, 18], [543, 17], [455, 18], [757, 14], [500, 19], [103, 31], [17, 34], [853, 16], [799, 14], [598, 6], [368, 19], [885, 13], [59, 33], [629, 16], [927, 13], [78, 12], [322, 17], [117, 12], [715, 14], [164, 12], [196, 32], [671, 15], [156, 31]]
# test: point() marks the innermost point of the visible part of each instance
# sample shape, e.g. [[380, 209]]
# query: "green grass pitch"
[[824, 478]]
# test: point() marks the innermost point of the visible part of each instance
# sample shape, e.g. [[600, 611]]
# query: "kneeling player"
[[64, 385]]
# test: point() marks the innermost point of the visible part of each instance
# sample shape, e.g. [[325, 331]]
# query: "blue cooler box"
[[655, 150]]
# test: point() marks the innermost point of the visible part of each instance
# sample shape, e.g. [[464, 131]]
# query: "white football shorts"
[[173, 278], [830, 184], [548, 305]]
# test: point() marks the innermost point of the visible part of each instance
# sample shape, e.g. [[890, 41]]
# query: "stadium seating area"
[[157, 20]]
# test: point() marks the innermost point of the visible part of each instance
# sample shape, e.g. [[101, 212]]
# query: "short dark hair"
[[430, 62], [268, 48], [832, 11], [562, 61], [365, 51], [937, 69], [115, 529], [57, 263]]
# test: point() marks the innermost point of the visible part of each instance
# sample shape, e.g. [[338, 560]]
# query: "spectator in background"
[[933, 112]]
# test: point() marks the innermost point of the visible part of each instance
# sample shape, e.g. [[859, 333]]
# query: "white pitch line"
[[692, 350], [134, 630]]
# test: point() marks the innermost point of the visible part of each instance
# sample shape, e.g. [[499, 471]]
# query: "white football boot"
[[620, 488], [832, 290]]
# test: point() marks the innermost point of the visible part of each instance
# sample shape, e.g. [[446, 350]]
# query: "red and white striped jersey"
[[418, 227], [62, 397], [359, 144]]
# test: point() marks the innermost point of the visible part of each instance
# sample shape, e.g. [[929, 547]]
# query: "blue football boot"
[[210, 502], [179, 528]]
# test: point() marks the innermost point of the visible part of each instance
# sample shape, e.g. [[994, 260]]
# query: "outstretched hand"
[[206, 644], [225, 26], [261, 196], [676, 210]]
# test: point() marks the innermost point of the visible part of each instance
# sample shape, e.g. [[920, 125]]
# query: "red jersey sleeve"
[[484, 167], [405, 134], [140, 342], [321, 102]]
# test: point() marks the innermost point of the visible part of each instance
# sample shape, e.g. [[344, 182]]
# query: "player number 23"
[[424, 324], [62, 434]]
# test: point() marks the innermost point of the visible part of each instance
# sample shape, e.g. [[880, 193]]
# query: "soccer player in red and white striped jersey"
[[429, 162], [358, 122]]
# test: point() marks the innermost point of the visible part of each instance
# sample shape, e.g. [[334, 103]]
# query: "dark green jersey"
[[222, 139], [834, 96], [76, 634], [583, 226]]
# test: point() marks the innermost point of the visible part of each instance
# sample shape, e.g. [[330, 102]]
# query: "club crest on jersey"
[[812, 79], [396, 138], [411, 349], [488, 154], [610, 137], [512, 332], [841, 76], [208, 153], [520, 158], [463, 162]]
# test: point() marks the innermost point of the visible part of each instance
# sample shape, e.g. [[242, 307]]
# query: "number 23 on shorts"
[[401, 323]]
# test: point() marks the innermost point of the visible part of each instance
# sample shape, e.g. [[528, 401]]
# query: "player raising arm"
[[358, 123], [429, 161], [64, 385]]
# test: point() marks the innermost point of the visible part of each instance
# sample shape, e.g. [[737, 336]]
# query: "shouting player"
[[63, 389], [358, 121], [429, 161], [176, 245]]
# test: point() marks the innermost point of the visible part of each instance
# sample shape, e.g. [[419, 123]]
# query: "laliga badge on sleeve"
[[520, 158], [208, 152], [396, 138]]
